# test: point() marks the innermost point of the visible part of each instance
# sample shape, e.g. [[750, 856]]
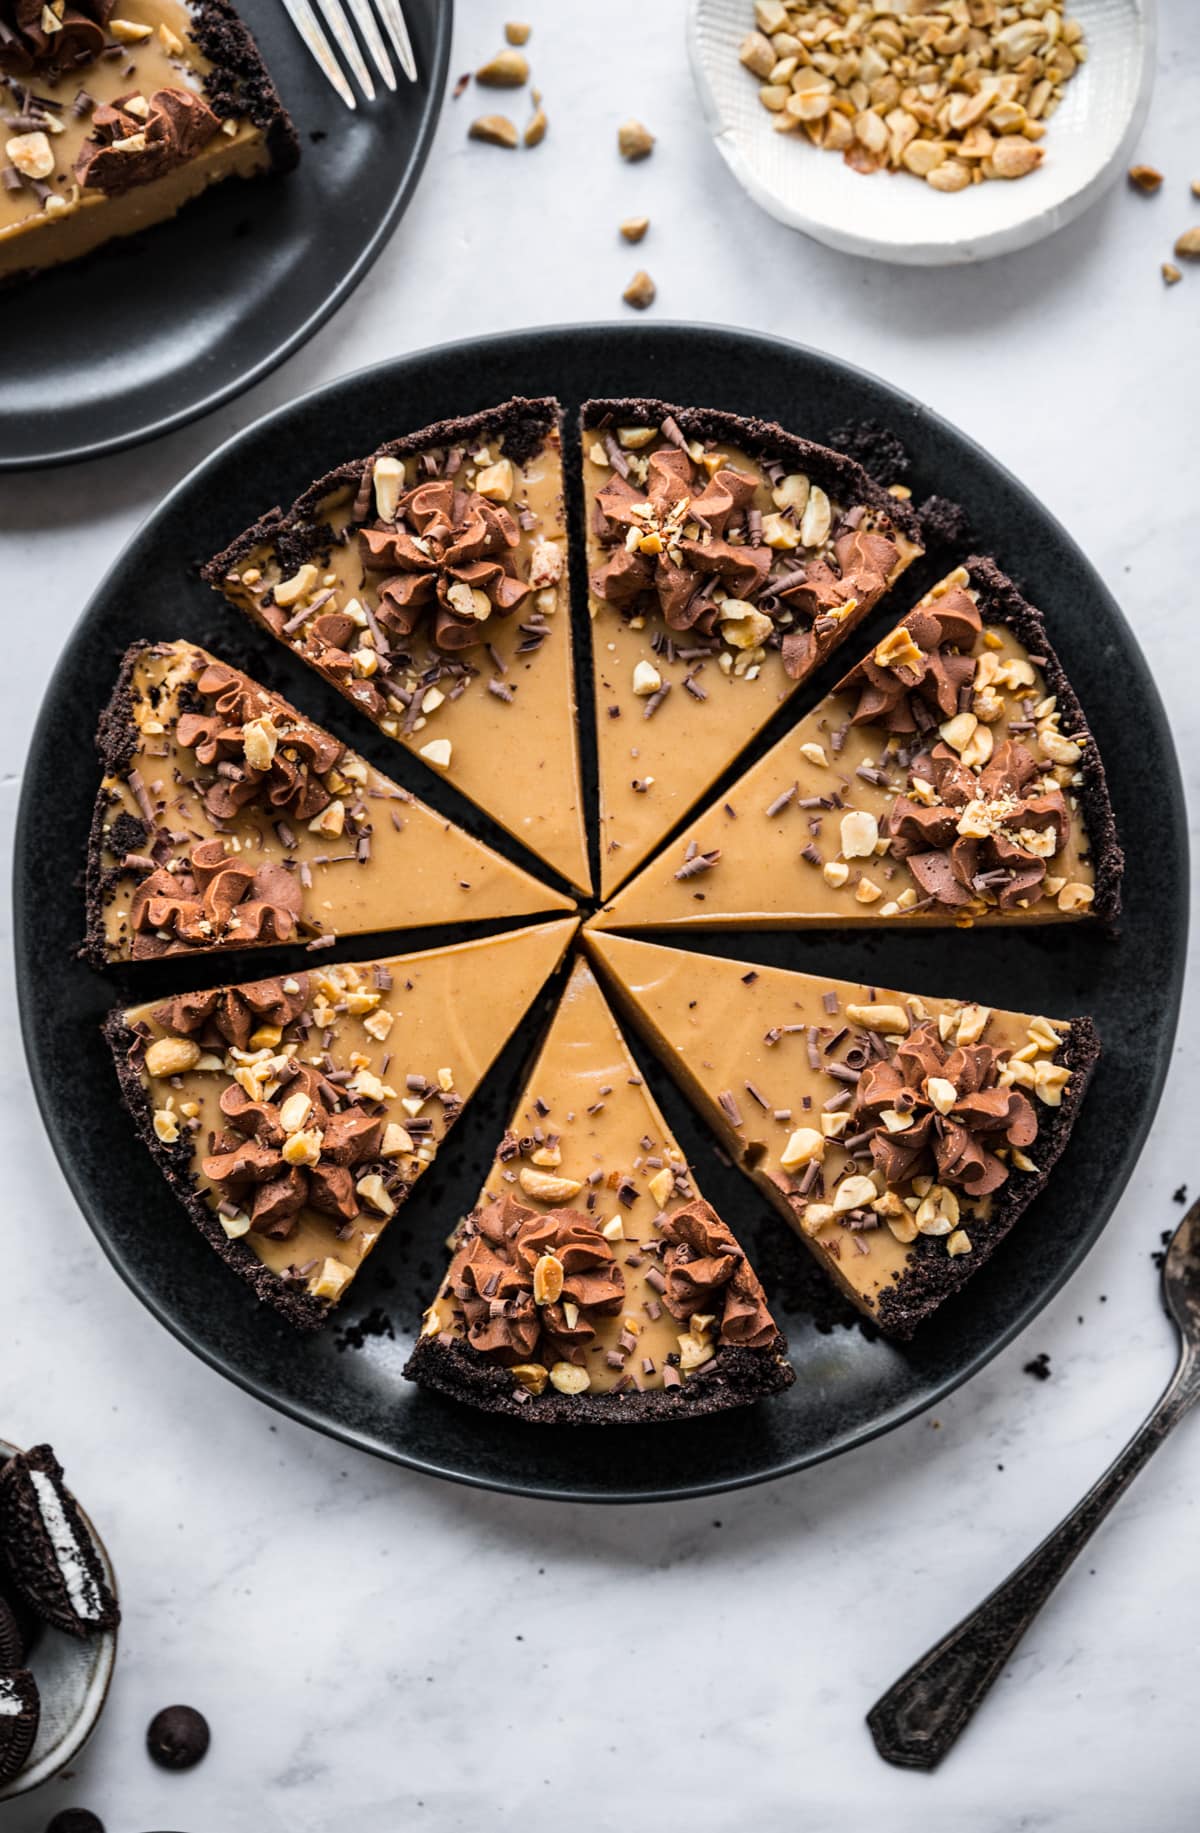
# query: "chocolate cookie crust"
[[734, 1376], [239, 83], [1000, 602], [765, 442], [174, 1161], [297, 534], [116, 742], [933, 1275]]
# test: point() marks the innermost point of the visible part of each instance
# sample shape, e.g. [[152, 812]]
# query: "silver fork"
[[307, 24]]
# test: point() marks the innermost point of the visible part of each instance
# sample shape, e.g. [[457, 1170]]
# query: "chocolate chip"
[[177, 1737], [75, 1820]]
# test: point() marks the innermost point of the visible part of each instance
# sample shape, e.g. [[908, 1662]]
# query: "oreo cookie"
[[12, 1642], [51, 1558], [20, 1710]]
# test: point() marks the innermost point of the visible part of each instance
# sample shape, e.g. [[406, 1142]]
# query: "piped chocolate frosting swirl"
[[523, 1278], [688, 541], [448, 560], [127, 148], [937, 1112], [966, 831], [706, 1271], [27, 46]]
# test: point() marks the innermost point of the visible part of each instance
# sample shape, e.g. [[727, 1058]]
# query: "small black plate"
[[847, 1388], [154, 330]]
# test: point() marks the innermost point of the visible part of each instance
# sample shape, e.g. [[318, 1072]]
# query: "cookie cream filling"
[[11, 1703], [82, 1590]]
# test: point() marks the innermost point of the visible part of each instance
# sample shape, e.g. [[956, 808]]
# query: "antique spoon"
[[918, 1719]]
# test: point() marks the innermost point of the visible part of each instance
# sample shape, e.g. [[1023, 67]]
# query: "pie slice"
[[592, 1283], [950, 778], [292, 1116], [726, 559], [428, 583], [901, 1136], [226, 819], [117, 113]]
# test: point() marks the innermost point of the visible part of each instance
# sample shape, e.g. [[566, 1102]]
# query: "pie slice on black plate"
[[726, 560], [949, 778], [428, 584], [227, 820], [592, 1284], [901, 1136], [293, 1115]]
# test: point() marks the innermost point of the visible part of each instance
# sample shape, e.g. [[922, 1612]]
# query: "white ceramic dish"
[[73, 1678], [895, 217]]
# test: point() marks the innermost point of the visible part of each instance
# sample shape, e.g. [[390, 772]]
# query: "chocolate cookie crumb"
[[177, 1737], [1180, 1195], [944, 524], [880, 452], [1039, 1368]]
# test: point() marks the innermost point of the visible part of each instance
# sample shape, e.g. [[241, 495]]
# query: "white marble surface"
[[379, 1651]]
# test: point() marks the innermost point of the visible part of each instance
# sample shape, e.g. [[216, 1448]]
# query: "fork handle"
[[918, 1719]]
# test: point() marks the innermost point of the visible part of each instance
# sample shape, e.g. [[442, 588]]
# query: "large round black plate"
[[152, 331], [847, 1388]]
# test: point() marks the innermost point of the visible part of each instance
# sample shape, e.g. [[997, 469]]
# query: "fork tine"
[[393, 19], [368, 31], [305, 21], [339, 25]]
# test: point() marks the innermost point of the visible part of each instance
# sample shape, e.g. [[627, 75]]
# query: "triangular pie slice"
[[592, 1283], [949, 778], [428, 584], [292, 1116], [726, 560], [225, 819], [900, 1136]]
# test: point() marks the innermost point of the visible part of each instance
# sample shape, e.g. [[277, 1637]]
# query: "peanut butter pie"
[[726, 560], [592, 1283], [949, 778], [428, 583], [292, 1116], [226, 819], [117, 112], [901, 1136]]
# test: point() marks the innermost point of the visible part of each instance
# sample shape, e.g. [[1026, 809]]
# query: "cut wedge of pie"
[[226, 819], [726, 560], [428, 584], [592, 1283], [950, 778], [117, 113], [901, 1136], [292, 1116]]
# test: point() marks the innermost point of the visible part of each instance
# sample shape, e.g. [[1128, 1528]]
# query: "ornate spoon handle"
[[918, 1719]]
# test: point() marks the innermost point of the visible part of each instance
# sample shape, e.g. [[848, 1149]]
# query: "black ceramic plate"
[[152, 331], [847, 1388]]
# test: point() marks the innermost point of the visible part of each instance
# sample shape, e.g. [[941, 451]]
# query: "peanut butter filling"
[[58, 196], [589, 1263], [311, 1103], [236, 821], [870, 1118], [849, 821], [716, 585], [440, 609]]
